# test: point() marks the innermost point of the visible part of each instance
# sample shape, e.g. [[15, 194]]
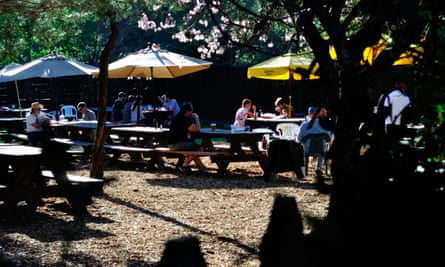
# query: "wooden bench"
[[221, 158], [71, 142], [74, 179], [226, 147], [77, 189], [135, 152], [175, 153], [18, 137], [76, 148]]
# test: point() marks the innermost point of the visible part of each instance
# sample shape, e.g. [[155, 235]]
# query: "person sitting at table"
[[309, 127], [283, 109], [87, 115], [170, 103], [247, 110], [37, 126], [127, 108], [181, 136], [136, 111]]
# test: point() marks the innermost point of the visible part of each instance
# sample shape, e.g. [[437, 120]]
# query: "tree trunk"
[[98, 154]]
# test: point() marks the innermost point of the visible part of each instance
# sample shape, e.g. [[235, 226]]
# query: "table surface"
[[277, 120], [226, 132], [87, 124], [139, 129], [13, 150], [12, 119]]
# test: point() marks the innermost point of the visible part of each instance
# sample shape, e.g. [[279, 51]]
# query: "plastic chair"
[[287, 130], [315, 145], [69, 112]]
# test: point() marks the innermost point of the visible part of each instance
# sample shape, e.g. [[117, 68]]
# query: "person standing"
[[35, 125], [181, 136], [117, 111], [396, 102], [136, 112], [127, 108], [247, 110]]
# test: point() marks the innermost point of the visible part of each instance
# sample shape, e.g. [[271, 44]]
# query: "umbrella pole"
[[18, 98], [289, 115]]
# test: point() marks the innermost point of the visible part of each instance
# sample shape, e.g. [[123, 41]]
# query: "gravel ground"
[[139, 211]]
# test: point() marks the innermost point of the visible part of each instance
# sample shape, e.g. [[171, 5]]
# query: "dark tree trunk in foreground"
[[98, 154]]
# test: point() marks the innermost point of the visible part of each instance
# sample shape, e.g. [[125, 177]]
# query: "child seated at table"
[[247, 110]]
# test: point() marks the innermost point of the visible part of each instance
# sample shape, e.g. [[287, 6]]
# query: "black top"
[[179, 129], [116, 112]]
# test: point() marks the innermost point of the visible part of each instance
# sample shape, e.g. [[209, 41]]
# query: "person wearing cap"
[[396, 102], [282, 108], [35, 125], [117, 110]]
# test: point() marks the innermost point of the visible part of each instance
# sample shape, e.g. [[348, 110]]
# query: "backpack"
[[381, 112]]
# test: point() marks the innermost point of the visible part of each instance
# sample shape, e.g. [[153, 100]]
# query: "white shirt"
[[32, 118], [398, 102]]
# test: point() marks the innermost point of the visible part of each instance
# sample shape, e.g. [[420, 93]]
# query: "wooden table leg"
[[222, 165]]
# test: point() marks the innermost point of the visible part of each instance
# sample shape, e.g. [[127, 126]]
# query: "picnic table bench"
[[222, 158], [21, 179]]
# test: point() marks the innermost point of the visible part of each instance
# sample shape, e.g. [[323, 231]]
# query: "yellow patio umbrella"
[[411, 56], [290, 66]]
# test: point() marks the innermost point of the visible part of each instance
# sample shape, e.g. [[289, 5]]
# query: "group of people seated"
[[183, 124], [317, 122], [129, 108], [37, 123], [249, 110]]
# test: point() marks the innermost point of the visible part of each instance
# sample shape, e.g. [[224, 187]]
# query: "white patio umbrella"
[[50, 66], [9, 67], [149, 63]]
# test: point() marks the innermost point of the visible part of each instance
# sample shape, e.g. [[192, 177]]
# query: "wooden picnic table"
[[12, 124], [237, 152], [78, 130], [156, 118], [271, 123], [136, 140], [21, 179], [20, 165], [147, 135]]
